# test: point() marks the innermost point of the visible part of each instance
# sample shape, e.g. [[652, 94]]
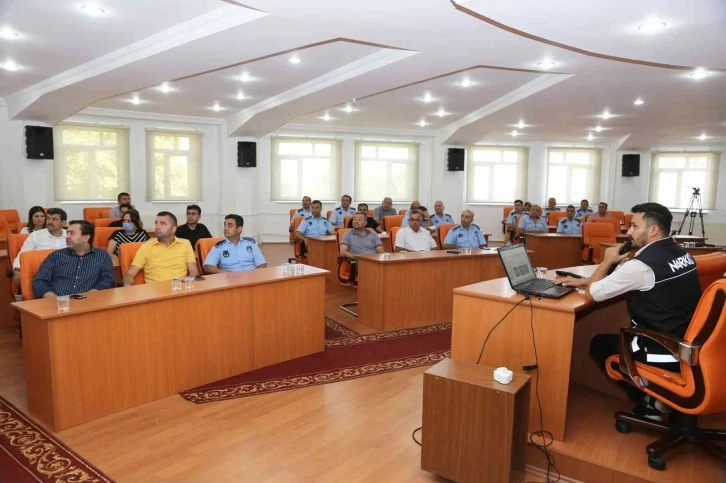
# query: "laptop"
[[522, 278]]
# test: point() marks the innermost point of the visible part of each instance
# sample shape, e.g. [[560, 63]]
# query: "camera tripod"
[[695, 203]]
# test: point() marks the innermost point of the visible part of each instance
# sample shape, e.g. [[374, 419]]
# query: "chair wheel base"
[[622, 427], [657, 463]]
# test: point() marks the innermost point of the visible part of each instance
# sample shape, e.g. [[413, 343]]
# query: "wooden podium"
[[474, 429]]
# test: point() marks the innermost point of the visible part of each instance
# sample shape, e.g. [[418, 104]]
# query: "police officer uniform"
[[512, 217], [463, 238], [441, 220], [528, 224], [337, 217], [301, 213], [312, 226], [568, 227], [245, 255], [580, 213], [546, 212]]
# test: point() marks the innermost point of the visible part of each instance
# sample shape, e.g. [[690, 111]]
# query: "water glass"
[[386, 256], [176, 285], [467, 250], [541, 272], [299, 269], [64, 303], [189, 283], [288, 270]]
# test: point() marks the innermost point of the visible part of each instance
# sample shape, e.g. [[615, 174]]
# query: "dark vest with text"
[[669, 305]]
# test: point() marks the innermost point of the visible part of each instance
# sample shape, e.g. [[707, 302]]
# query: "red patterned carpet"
[[30, 454], [347, 355]]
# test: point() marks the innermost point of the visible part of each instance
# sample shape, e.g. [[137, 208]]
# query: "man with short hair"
[[386, 209], [602, 212], [569, 225], [439, 217], [314, 225], [337, 217], [123, 199], [425, 222], [551, 206], [165, 257], [466, 234], [234, 253], [52, 236], [76, 269], [662, 287], [360, 240], [533, 223], [370, 222], [119, 223], [192, 230], [511, 224], [413, 237], [303, 212], [583, 211]]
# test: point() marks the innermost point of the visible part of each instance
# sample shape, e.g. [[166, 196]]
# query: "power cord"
[[413, 435]]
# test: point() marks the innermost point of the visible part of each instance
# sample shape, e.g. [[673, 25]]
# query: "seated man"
[[465, 235], [234, 253], [370, 221], [584, 211], [439, 217], [360, 240], [534, 223], [52, 236], [425, 223], [551, 206], [165, 257], [313, 225], [413, 238], [192, 230], [76, 269], [511, 223], [337, 217], [119, 223], [386, 209], [123, 199], [663, 290], [303, 212], [569, 225], [602, 212]]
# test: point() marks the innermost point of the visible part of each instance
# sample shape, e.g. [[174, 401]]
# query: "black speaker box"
[[631, 164], [39, 142], [246, 154], [455, 159]]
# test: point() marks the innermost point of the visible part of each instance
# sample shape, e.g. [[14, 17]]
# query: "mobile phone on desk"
[[198, 277], [77, 296], [453, 251], [564, 273]]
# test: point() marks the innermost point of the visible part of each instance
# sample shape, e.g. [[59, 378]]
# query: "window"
[[573, 175], [305, 167], [173, 166], [496, 175], [386, 170], [674, 175], [91, 162]]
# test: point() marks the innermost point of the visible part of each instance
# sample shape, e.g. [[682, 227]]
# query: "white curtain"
[[173, 166], [386, 170]]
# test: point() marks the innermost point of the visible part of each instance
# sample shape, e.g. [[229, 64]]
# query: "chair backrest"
[[443, 230], [11, 216], [620, 215], [202, 249], [595, 233], [615, 222], [627, 218], [555, 217], [30, 262], [93, 212], [292, 212], [506, 211], [328, 213], [402, 212], [297, 246], [346, 220], [19, 227], [103, 222], [710, 268], [393, 233], [126, 254], [370, 213], [344, 267], [6, 228], [102, 235], [15, 243], [391, 221]]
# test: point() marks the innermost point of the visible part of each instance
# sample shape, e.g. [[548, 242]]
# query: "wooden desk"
[[694, 251], [124, 347], [7, 313], [478, 307], [416, 290], [554, 250]]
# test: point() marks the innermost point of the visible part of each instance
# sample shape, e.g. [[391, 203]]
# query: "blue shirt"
[[463, 238], [65, 273], [579, 213], [568, 227], [441, 220], [512, 217], [301, 213], [546, 212], [424, 221], [528, 224], [337, 217], [245, 255], [312, 226]]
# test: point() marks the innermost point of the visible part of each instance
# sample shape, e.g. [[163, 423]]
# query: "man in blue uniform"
[[303, 212], [532, 223], [337, 217], [465, 235], [569, 225], [551, 206], [235, 252], [314, 225], [439, 217], [584, 211], [511, 222]]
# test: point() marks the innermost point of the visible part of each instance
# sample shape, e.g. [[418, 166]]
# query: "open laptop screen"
[[516, 264]]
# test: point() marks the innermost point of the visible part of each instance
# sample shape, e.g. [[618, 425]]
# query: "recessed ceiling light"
[[590, 137], [11, 66], [546, 64], [699, 74], [515, 133], [466, 83], [326, 117], [92, 10], [216, 107], [422, 122], [606, 114], [240, 96], [165, 87], [9, 35], [702, 137], [598, 129], [520, 124], [638, 102], [245, 77], [651, 27], [294, 59], [427, 97], [441, 112], [135, 100], [348, 108]]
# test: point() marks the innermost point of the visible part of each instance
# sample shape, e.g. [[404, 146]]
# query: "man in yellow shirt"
[[165, 257]]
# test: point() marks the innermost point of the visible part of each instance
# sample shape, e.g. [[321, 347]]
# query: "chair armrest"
[[678, 348], [588, 259]]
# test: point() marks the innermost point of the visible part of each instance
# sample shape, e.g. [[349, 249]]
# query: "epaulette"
[[249, 239], [455, 227], [220, 243], [308, 217], [300, 210], [446, 214], [476, 226]]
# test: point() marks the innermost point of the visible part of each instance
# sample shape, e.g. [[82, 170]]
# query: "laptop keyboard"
[[538, 284]]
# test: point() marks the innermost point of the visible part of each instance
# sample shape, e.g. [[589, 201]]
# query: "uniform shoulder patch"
[[220, 243], [456, 227], [309, 217], [249, 239], [476, 226], [446, 214]]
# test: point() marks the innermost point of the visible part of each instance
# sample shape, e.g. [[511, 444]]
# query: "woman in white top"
[[36, 220]]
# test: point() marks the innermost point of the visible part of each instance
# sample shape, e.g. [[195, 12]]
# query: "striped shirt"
[[65, 273], [121, 237]]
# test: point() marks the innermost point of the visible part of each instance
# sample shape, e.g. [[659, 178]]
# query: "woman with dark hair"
[[36, 220], [132, 232]]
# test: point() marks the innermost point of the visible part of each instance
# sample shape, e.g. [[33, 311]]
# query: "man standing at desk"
[[413, 238], [662, 287], [313, 225], [465, 235], [234, 253], [569, 225]]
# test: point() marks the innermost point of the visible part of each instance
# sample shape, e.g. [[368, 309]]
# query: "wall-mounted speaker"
[[38, 142], [455, 159], [246, 154], [631, 165]]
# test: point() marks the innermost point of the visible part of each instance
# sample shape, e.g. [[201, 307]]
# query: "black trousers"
[[603, 346]]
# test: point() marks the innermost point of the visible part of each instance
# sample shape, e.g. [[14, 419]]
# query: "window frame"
[[194, 165], [595, 173], [412, 162], [711, 173], [276, 168], [520, 188]]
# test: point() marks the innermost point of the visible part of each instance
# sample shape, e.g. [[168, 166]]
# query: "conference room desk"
[[692, 250], [127, 346], [554, 250], [562, 327], [415, 290], [7, 313]]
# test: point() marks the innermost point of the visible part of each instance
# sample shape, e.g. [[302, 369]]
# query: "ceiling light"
[[92, 10], [606, 114], [326, 117], [245, 77], [521, 124], [590, 137], [164, 87], [651, 27], [441, 112], [240, 96], [598, 129], [8, 35], [702, 137], [427, 97], [135, 100], [348, 108], [216, 107], [11, 66], [547, 64], [466, 83], [294, 59], [638, 102], [699, 74], [422, 122], [515, 133]]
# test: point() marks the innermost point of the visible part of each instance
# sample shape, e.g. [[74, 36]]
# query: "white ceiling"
[[387, 55]]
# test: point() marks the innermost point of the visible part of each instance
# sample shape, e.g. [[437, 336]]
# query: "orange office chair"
[[627, 218], [394, 233], [298, 245], [202, 249], [126, 254], [102, 235], [30, 262], [620, 215], [6, 229], [328, 213], [94, 212], [505, 213], [402, 212], [370, 213], [555, 217], [390, 221], [346, 274], [443, 230], [592, 235], [19, 227], [292, 232], [710, 268], [346, 220], [696, 390], [15, 243], [11, 216], [613, 221], [104, 222]]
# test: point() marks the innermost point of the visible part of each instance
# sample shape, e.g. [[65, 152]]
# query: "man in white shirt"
[[413, 238], [53, 236]]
